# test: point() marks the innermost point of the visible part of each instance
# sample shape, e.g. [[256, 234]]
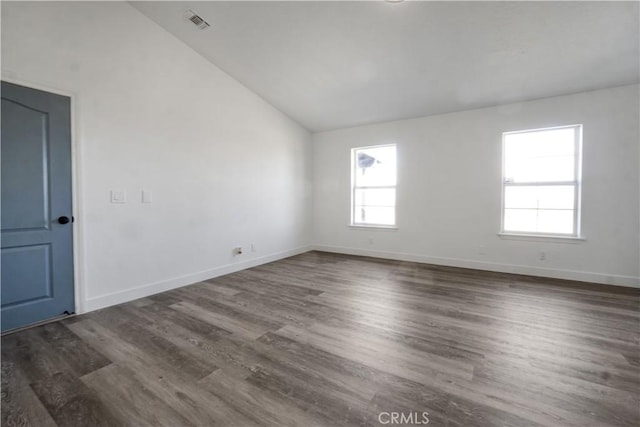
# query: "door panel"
[[37, 250], [20, 285], [25, 176]]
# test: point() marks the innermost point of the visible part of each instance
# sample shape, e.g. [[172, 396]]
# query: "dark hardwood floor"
[[332, 340]]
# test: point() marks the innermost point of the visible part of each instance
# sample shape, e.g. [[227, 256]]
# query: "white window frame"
[[354, 168], [576, 183]]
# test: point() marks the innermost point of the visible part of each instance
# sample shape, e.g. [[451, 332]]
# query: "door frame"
[[76, 184]]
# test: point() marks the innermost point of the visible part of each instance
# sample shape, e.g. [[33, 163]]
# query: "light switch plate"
[[118, 196], [147, 196]]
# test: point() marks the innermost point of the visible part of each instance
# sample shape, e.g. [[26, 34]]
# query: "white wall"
[[225, 168], [449, 189]]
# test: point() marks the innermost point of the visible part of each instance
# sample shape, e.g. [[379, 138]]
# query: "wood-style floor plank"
[[71, 403], [20, 405], [130, 400], [323, 339]]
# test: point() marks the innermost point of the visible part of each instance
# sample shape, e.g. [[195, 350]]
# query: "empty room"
[[320, 213]]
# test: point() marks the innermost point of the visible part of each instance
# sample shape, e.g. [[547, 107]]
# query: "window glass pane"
[[521, 197], [539, 197], [539, 221], [540, 156], [523, 220], [556, 197], [540, 169], [555, 221], [374, 215], [385, 197], [375, 166]]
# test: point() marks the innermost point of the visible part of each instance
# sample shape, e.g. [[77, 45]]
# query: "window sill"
[[542, 238], [374, 227]]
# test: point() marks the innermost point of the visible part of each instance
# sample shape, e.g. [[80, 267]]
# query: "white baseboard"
[[582, 276], [120, 297]]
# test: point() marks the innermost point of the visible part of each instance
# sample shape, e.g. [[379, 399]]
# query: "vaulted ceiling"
[[332, 65]]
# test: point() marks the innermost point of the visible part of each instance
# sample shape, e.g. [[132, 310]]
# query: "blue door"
[[36, 217]]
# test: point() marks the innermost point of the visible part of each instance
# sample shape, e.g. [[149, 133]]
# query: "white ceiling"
[[331, 65]]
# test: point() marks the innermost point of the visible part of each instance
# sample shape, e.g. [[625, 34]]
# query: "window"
[[373, 186], [541, 181]]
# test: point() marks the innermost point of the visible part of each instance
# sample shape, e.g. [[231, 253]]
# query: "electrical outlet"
[[238, 250], [481, 250], [253, 247], [542, 256]]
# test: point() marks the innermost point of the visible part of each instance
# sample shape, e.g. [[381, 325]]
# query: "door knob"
[[63, 220]]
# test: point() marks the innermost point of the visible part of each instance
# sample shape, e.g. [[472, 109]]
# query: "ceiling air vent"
[[197, 20]]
